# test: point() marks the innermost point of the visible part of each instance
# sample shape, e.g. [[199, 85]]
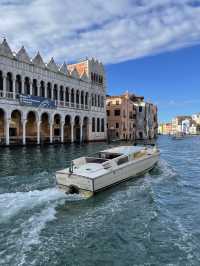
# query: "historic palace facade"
[[44, 103]]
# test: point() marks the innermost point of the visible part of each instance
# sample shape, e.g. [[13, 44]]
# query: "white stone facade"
[[147, 120], [78, 92]]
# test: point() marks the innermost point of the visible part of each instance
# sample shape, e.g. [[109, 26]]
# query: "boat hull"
[[90, 186]]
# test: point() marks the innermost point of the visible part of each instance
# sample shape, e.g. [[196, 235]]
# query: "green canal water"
[[151, 220]]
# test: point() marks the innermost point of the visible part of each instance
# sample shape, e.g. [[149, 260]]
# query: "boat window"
[[95, 160], [122, 160], [110, 156]]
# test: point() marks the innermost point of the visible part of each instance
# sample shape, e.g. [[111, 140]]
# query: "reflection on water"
[[151, 220]]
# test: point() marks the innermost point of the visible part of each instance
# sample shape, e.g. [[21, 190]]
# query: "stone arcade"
[[44, 103]]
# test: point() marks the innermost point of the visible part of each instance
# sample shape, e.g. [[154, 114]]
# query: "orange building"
[[121, 116], [129, 117]]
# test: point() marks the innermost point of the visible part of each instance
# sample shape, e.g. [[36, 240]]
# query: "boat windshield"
[[106, 155], [109, 155]]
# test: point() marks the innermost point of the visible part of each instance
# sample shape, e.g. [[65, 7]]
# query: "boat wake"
[[13, 203], [25, 215]]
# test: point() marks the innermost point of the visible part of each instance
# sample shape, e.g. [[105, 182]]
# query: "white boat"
[[107, 168]]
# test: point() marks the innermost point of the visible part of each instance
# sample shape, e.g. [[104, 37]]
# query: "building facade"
[[165, 129], [129, 117], [121, 117], [179, 124], [46, 103], [147, 120]]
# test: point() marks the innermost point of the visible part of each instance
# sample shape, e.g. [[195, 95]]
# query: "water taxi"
[[106, 168]]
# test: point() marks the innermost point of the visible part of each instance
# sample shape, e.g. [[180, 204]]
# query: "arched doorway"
[[77, 131], [45, 128], [2, 126], [85, 129], [15, 129], [67, 129], [31, 127], [57, 128]]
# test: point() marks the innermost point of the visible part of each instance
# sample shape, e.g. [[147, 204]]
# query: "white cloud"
[[113, 31]]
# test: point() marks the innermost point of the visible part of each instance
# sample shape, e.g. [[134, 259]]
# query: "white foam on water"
[[166, 168], [13, 203], [31, 230]]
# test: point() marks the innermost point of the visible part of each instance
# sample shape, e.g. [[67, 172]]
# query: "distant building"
[[186, 126], [165, 129], [177, 126], [196, 118], [129, 117], [189, 125], [194, 129]]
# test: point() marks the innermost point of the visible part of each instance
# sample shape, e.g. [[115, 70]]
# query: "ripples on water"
[[151, 220]]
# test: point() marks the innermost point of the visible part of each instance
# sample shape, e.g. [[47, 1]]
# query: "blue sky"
[[171, 80], [150, 47]]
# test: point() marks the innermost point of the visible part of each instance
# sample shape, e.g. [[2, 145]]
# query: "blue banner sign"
[[36, 101]]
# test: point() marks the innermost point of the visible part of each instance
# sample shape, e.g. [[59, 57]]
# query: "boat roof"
[[126, 150]]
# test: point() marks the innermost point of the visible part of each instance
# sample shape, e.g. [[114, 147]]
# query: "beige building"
[[130, 118], [121, 116], [165, 129]]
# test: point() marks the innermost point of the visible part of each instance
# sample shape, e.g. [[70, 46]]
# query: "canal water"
[[151, 220]]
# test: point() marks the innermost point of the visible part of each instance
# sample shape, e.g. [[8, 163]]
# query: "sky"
[[148, 47]]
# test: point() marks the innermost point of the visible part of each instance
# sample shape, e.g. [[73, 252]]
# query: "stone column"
[[62, 131], [74, 98], [79, 99], [7, 130], [23, 85], [52, 90], [4, 85], [90, 129], [81, 131], [38, 131], [84, 100], [24, 132], [69, 98], [31, 87], [51, 132], [72, 132], [14, 88], [64, 91], [58, 95], [45, 90]]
